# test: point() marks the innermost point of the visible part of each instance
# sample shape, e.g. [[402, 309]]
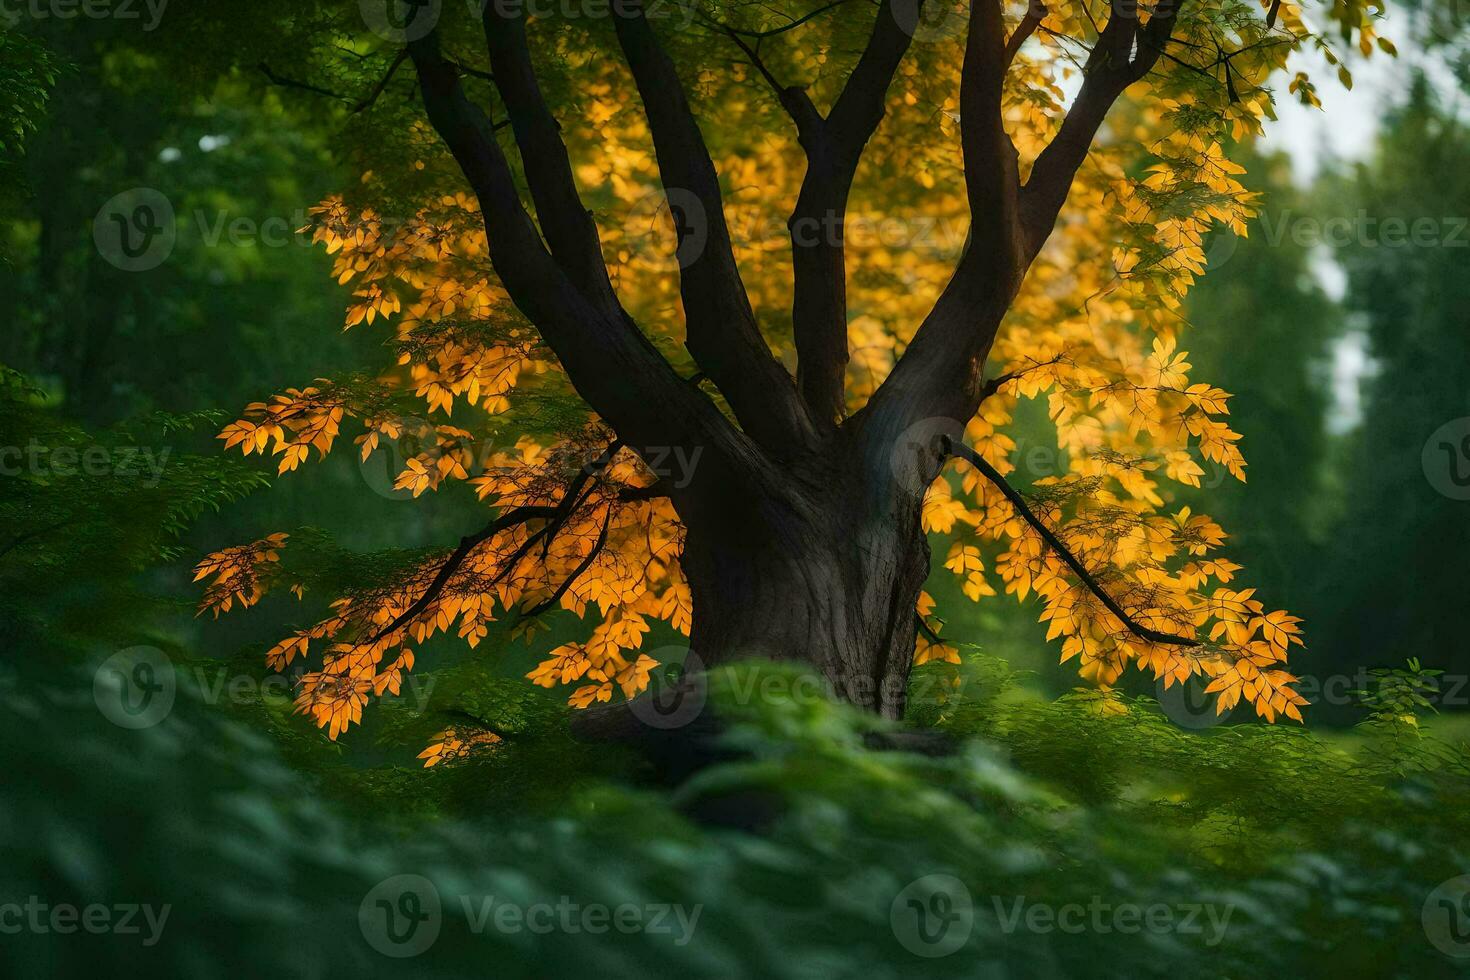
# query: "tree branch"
[[834, 146], [1125, 52], [520, 515], [566, 224], [721, 330], [940, 375], [1035, 13], [926, 629], [609, 361], [556, 516], [377, 90], [951, 448], [36, 533], [282, 81], [577, 572], [773, 31]]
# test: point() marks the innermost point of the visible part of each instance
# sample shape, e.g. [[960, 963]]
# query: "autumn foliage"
[[1096, 337]]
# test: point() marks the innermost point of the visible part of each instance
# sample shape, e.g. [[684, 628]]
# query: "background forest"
[[1332, 848]]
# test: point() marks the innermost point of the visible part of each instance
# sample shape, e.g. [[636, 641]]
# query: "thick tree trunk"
[[821, 564]]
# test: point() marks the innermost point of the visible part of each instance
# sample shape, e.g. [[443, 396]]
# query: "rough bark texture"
[[822, 563]]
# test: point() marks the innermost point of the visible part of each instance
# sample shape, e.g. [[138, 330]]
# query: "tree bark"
[[822, 564]]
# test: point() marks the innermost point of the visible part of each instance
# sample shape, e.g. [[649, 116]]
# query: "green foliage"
[[1401, 693], [82, 510], [1312, 858], [28, 71], [1411, 294]]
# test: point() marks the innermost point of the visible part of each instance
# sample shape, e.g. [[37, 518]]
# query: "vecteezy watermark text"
[[933, 916], [95, 461], [124, 919], [136, 688], [13, 12], [402, 916], [1103, 917]]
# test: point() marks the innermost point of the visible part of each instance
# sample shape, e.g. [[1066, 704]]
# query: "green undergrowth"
[[1089, 838]]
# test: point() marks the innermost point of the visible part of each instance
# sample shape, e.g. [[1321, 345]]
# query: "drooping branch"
[[609, 361], [1125, 52], [565, 223], [284, 81], [949, 447], [556, 516], [456, 560], [576, 573], [722, 332], [35, 533]]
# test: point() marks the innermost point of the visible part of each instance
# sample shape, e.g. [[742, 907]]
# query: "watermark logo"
[[679, 208], [401, 21], [1220, 248], [918, 452], [1186, 704], [135, 688], [933, 916], [380, 468], [1446, 459], [929, 21], [401, 916], [135, 230], [594, 918], [1102, 917], [1446, 917], [676, 696]]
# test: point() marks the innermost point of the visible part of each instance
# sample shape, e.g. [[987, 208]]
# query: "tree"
[[799, 529], [1405, 511], [119, 118]]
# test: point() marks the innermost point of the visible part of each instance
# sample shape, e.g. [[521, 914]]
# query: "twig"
[[36, 533], [556, 516], [952, 448], [1035, 13], [382, 84], [772, 32], [582, 566], [284, 82]]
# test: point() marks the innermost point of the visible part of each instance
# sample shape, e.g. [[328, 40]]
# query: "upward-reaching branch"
[[940, 373], [722, 332], [1125, 52], [566, 224], [607, 358], [834, 146]]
